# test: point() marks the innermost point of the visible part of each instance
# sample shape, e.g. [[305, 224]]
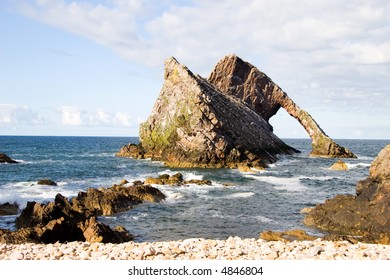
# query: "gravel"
[[233, 248]]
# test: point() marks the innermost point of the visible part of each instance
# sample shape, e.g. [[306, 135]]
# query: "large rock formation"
[[365, 214], [193, 124], [238, 78]]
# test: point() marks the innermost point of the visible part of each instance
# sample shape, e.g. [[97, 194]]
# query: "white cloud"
[[13, 114], [70, 116], [74, 116]]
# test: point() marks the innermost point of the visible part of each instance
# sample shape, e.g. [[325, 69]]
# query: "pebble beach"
[[233, 248]]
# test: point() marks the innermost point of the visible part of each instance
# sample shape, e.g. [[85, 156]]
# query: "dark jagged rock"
[[8, 209], [366, 214], [193, 124], [75, 220], [238, 78], [6, 159], [46, 182]]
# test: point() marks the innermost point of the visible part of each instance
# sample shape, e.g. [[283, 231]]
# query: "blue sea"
[[236, 204]]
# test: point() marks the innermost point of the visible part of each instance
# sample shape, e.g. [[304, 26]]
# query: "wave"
[[365, 157], [358, 165], [22, 192]]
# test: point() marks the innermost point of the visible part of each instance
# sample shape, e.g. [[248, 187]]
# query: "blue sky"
[[96, 67]]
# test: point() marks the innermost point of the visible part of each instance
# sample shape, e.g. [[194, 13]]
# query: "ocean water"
[[236, 204]]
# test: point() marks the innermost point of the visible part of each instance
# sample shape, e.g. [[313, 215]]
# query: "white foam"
[[186, 175], [241, 195], [280, 183], [22, 192], [263, 219], [365, 158]]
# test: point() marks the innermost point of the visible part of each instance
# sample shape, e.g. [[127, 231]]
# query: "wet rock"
[[135, 151], [286, 236], [117, 198], [6, 159], [175, 180], [47, 182], [193, 124], [339, 166], [8, 209], [238, 78], [366, 214]]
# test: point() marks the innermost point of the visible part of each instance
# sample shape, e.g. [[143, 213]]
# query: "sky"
[[95, 68]]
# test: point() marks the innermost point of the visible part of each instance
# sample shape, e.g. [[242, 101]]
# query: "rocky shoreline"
[[233, 248]]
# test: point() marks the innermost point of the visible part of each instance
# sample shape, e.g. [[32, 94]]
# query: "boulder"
[[238, 78], [9, 209], [366, 214], [339, 166], [193, 124], [6, 159], [46, 182]]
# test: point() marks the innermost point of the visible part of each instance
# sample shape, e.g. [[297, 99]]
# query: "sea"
[[236, 204]]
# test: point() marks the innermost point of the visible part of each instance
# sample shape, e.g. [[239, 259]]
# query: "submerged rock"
[[193, 124], [6, 159], [47, 182], [366, 214], [238, 78]]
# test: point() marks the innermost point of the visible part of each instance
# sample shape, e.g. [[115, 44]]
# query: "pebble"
[[233, 248]]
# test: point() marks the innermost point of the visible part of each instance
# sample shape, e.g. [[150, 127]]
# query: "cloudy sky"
[[94, 67]]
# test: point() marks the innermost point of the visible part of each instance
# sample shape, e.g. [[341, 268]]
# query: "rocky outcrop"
[[8, 209], [238, 78], [193, 124], [116, 199], [366, 214], [6, 159], [65, 220]]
